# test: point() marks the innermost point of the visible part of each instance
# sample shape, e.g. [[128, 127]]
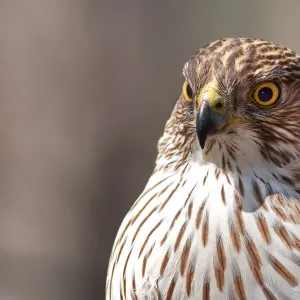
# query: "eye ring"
[[266, 94], [187, 92]]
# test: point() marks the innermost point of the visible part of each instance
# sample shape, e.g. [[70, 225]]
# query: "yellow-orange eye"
[[187, 92], [266, 94]]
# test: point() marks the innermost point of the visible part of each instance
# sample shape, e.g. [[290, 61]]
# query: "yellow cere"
[[273, 94], [209, 92]]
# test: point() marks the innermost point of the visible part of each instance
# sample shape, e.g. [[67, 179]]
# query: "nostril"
[[219, 105]]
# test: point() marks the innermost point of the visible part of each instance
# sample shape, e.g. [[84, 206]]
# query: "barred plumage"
[[220, 215]]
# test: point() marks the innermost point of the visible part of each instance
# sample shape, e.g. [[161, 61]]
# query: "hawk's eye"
[[266, 94], [187, 92]]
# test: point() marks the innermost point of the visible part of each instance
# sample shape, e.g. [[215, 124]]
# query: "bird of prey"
[[219, 217]]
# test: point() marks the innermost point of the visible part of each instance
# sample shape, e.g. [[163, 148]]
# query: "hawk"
[[219, 217]]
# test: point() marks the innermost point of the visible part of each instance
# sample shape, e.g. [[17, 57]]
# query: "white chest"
[[213, 235]]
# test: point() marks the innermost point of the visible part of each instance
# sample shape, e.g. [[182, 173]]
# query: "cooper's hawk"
[[219, 217]]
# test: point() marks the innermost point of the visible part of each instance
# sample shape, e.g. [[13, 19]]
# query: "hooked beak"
[[210, 118]]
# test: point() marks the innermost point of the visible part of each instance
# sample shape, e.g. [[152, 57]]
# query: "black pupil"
[[265, 94], [189, 91]]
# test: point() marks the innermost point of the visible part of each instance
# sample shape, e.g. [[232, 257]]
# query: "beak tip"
[[202, 143], [202, 137]]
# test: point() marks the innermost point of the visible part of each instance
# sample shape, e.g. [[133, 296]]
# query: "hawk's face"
[[240, 101]]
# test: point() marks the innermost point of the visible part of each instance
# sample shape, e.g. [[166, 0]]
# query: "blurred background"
[[86, 87]]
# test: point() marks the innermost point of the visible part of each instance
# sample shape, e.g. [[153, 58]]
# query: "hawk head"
[[240, 105]]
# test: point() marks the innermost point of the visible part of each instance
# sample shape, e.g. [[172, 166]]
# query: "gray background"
[[85, 90]]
